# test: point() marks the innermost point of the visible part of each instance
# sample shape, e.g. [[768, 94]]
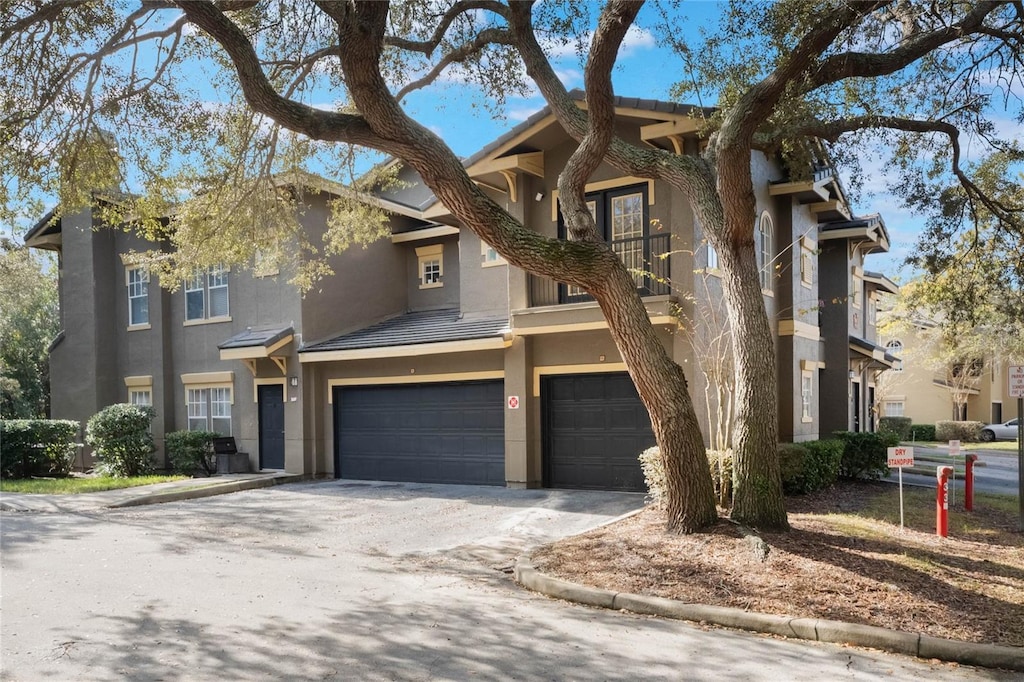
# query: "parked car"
[[1007, 431]]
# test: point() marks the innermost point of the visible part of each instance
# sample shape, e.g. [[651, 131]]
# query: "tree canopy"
[[28, 324], [220, 101]]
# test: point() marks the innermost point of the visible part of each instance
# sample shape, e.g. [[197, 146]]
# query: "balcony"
[[646, 257]]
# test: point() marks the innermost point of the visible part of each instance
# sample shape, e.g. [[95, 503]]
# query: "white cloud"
[[520, 114], [636, 39]]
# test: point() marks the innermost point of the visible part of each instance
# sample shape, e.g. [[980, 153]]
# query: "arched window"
[[765, 241], [895, 347]]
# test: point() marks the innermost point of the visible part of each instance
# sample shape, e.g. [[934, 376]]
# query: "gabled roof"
[[414, 193], [434, 326]]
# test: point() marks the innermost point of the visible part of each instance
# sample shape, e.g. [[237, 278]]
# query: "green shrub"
[[809, 466], [922, 432], [791, 467], [720, 464], [120, 435], [37, 447], [821, 466], [654, 475], [969, 432], [898, 425], [864, 454], [191, 452]]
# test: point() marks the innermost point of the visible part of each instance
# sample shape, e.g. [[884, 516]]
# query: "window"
[[765, 250], [140, 396], [894, 408], [856, 287], [489, 257], [806, 392], [806, 262], [431, 265], [872, 310], [209, 409], [621, 217], [138, 296], [712, 257], [206, 294], [895, 347]]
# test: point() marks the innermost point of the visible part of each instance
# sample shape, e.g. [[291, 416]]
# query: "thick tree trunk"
[[690, 497], [757, 493]]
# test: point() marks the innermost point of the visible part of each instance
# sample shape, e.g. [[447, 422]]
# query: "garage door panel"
[[595, 426], [431, 433]]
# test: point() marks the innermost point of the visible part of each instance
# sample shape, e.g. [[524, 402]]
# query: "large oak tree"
[[786, 74]]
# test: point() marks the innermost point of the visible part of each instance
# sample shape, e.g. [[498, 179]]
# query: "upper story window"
[[895, 347], [138, 296], [765, 235], [431, 266], [872, 310], [206, 294], [140, 396], [712, 257], [489, 257], [806, 262], [621, 217]]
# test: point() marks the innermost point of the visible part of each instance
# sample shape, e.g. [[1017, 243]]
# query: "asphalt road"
[[340, 581], [995, 471]]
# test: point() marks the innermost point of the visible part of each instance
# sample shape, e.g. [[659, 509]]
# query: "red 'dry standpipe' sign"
[[900, 457]]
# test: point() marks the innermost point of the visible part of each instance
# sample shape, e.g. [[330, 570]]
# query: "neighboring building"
[[919, 388], [428, 358]]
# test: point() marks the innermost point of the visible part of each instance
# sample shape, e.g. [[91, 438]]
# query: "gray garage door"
[[426, 433], [594, 428]]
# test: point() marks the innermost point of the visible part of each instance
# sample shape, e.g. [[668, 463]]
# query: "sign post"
[[954, 450], [898, 458], [1016, 380]]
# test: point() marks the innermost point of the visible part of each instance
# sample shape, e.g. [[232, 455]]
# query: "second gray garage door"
[[426, 433], [594, 428]]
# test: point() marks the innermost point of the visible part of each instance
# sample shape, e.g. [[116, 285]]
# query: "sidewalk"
[[172, 491]]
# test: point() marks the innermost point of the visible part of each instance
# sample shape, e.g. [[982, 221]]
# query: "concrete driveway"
[[342, 580]]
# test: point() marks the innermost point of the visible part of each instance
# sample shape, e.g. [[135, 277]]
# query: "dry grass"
[[845, 558]]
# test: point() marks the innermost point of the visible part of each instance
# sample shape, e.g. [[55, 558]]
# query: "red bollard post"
[[969, 461], [942, 501]]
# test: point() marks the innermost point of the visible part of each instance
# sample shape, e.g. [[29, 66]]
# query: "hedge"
[[809, 466], [864, 453], [37, 447], [966, 431], [922, 432], [191, 452], [898, 425]]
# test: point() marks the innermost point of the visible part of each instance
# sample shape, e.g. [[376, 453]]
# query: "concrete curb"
[[836, 632], [205, 491]]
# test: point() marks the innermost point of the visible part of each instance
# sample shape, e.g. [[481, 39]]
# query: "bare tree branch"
[[261, 95], [491, 36], [427, 47], [45, 14]]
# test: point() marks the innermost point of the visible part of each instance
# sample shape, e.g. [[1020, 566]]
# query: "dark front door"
[[594, 429], [271, 409], [856, 407], [423, 433], [871, 408]]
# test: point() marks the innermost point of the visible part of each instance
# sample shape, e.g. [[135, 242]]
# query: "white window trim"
[[806, 396], [766, 252], [426, 255], [207, 381], [205, 289], [902, 408], [128, 270], [139, 384], [485, 252], [807, 249]]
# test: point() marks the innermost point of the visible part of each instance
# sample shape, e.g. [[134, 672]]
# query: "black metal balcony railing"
[[646, 257]]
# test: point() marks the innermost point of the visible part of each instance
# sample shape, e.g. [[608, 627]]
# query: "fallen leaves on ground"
[[843, 559]]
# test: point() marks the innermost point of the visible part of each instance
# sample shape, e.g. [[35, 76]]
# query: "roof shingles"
[[432, 326]]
